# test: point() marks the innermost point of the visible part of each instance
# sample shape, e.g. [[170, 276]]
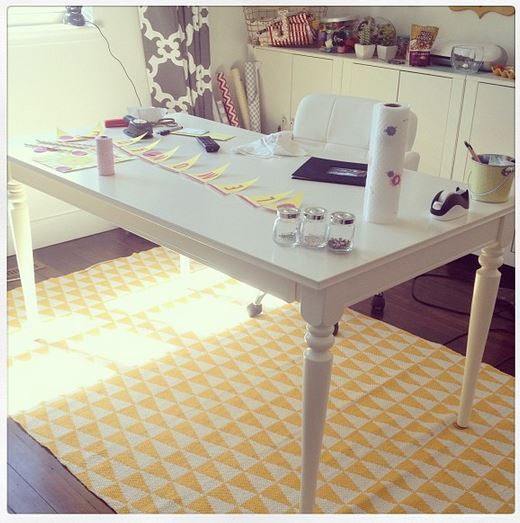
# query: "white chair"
[[338, 128]]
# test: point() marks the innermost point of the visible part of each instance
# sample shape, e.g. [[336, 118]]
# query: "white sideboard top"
[[436, 70]]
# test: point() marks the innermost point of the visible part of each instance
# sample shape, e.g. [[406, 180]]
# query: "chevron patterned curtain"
[[176, 48]]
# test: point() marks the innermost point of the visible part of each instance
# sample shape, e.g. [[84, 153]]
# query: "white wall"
[[228, 37], [65, 77], [462, 25]]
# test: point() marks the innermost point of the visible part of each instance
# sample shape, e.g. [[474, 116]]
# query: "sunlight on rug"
[[158, 392]]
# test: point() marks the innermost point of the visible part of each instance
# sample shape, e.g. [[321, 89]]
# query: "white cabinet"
[[487, 122], [310, 76], [285, 78], [368, 81], [436, 102], [275, 77]]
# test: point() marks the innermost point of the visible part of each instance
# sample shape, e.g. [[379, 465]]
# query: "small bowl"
[[466, 59]]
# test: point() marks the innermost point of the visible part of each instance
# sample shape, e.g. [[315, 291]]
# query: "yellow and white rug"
[[158, 392]]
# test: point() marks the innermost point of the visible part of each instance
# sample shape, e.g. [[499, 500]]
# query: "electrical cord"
[[116, 58], [456, 311]]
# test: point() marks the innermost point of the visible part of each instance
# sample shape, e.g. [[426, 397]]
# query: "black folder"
[[332, 171]]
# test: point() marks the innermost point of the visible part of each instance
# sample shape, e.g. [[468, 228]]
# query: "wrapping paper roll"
[[227, 100], [222, 112], [388, 138], [241, 97], [105, 155], [253, 97]]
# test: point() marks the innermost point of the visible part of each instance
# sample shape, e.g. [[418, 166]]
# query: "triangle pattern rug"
[[156, 390]]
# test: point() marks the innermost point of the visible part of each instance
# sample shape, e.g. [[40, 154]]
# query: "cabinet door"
[[368, 81], [310, 76], [275, 75], [429, 98], [493, 127]]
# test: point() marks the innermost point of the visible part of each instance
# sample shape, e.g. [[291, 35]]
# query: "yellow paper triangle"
[[264, 199], [209, 175], [144, 148], [183, 166], [129, 141], [231, 188], [163, 156], [294, 201]]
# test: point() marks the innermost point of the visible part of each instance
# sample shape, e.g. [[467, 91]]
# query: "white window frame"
[[35, 15]]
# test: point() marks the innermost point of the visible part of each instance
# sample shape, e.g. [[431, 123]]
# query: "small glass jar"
[[341, 232], [286, 229], [313, 228]]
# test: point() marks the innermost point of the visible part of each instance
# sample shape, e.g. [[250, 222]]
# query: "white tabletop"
[[228, 223]]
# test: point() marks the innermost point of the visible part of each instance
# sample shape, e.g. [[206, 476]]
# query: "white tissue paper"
[[388, 136], [276, 144]]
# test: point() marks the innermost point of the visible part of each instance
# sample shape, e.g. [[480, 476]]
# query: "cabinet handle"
[[291, 123], [283, 124]]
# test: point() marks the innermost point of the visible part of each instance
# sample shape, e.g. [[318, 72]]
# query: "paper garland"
[[294, 201], [66, 137], [80, 156], [157, 156], [183, 166], [210, 175], [231, 188], [264, 199]]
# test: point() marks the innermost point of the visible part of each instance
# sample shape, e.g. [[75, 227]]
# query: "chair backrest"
[[339, 120]]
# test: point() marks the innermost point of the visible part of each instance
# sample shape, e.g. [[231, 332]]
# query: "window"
[[35, 15]]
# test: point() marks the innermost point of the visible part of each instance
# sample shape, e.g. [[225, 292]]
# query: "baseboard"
[[62, 228]]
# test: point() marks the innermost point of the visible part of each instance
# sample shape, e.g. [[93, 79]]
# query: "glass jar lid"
[[346, 18], [314, 213], [288, 213], [342, 218]]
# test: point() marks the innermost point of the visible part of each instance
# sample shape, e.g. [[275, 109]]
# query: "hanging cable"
[[116, 58]]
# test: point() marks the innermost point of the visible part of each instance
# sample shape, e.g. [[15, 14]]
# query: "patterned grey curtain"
[[176, 48]]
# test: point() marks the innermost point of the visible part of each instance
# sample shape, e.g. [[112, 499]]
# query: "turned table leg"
[[485, 290], [317, 370], [21, 232]]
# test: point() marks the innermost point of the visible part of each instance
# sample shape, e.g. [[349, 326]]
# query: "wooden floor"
[[38, 483]]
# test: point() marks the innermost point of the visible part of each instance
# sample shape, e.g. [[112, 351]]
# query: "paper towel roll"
[[388, 136], [253, 98], [105, 155], [241, 97]]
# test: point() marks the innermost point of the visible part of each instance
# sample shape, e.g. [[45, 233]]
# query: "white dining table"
[[228, 234]]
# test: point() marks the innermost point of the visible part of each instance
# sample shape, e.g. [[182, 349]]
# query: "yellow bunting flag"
[[66, 137], [294, 201], [265, 199], [210, 175], [157, 156], [99, 129], [230, 188], [129, 141], [142, 149], [221, 137], [183, 166]]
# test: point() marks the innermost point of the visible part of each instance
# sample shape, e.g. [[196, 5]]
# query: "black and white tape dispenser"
[[449, 205]]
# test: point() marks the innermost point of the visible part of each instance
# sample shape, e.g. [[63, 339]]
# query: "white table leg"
[[487, 280], [21, 231], [184, 263], [317, 370]]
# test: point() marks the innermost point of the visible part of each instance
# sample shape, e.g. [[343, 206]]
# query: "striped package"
[[227, 100], [292, 31]]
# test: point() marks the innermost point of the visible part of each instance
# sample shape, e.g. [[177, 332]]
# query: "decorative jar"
[[286, 228], [313, 228], [341, 232]]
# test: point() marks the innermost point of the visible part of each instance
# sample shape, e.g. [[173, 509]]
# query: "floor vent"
[[14, 274]]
